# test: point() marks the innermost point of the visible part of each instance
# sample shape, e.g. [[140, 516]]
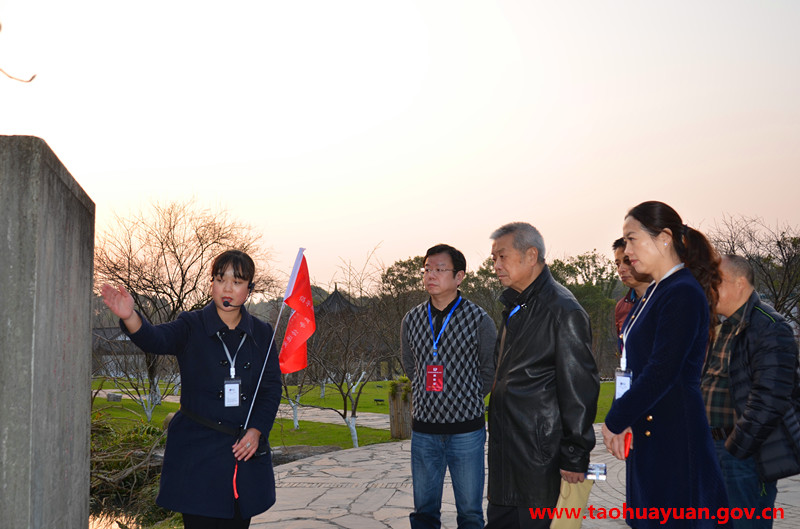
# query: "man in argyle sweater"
[[448, 353]]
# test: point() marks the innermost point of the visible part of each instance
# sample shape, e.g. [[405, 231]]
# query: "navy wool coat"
[[673, 463], [198, 471]]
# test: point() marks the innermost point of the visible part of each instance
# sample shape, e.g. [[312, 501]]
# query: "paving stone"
[[308, 523], [398, 523], [296, 497], [367, 502], [387, 514], [352, 521], [370, 487]]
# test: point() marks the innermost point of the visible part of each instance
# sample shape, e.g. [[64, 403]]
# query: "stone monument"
[[46, 255]]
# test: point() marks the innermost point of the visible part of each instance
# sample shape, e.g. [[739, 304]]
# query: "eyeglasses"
[[436, 271]]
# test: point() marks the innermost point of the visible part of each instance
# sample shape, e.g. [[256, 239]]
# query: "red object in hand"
[[628, 439], [235, 471]]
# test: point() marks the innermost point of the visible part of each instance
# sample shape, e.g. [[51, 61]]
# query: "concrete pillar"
[[46, 256]]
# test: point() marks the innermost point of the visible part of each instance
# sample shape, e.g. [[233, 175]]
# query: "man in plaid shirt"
[[751, 387]]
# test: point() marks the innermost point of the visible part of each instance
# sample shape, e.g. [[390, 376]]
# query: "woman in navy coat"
[[672, 463], [215, 472]]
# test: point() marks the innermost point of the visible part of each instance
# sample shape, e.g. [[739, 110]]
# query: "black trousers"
[[194, 521], [512, 517]]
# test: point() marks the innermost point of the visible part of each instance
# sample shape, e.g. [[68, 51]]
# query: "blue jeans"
[[431, 455], [745, 488]]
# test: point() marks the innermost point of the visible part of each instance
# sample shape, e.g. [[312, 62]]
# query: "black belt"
[[208, 423], [721, 434], [262, 448]]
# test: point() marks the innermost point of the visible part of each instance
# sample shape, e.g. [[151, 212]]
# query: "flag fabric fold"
[[294, 353]]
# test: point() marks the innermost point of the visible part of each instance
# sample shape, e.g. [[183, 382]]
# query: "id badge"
[[622, 381], [434, 378], [232, 393]]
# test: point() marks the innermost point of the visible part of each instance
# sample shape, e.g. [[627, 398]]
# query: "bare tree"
[[11, 76], [347, 349], [591, 277], [483, 287], [303, 383], [400, 288], [774, 253], [163, 259]]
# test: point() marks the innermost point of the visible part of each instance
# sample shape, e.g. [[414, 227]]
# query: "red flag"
[[294, 354]]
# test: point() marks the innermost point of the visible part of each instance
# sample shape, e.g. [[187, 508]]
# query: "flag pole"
[[289, 288]]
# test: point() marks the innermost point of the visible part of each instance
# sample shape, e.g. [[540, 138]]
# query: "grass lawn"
[[111, 384], [333, 399], [318, 434], [605, 400], [372, 391], [282, 434], [128, 410]]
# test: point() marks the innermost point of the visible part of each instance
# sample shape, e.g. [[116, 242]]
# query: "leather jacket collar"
[[511, 297]]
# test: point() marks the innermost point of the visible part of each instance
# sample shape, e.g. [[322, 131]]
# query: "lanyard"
[[228, 353], [623, 361], [446, 321]]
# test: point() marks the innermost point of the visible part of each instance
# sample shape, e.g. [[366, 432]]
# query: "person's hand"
[[245, 447], [121, 304], [573, 477], [615, 443], [118, 300]]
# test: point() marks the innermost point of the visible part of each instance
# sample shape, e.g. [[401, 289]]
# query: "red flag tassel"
[[235, 492]]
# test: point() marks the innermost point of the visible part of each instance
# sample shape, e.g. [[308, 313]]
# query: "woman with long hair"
[[671, 463]]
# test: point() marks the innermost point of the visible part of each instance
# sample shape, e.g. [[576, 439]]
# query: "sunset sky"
[[344, 126]]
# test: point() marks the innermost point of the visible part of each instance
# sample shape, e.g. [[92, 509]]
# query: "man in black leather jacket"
[[751, 386], [544, 397]]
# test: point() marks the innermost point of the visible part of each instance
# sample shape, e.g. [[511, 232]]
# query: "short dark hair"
[[619, 243], [243, 265], [459, 261], [741, 267]]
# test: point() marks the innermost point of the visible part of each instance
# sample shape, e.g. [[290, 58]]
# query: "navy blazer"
[[198, 471], [673, 462]]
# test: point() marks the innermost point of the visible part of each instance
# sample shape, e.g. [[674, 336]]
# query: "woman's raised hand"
[[118, 300]]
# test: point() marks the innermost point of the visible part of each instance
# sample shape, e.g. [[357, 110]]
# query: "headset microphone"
[[227, 303], [250, 287]]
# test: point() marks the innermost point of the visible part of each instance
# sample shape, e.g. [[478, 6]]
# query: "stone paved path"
[[370, 487]]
